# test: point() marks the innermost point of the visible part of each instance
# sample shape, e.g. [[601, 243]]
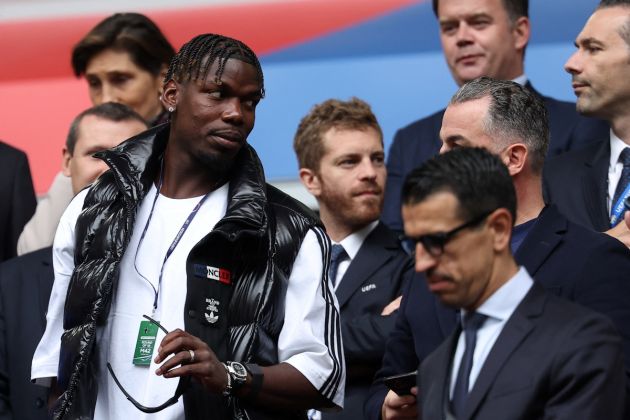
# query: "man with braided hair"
[[181, 262]]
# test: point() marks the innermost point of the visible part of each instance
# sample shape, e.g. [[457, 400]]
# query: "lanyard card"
[[147, 335]]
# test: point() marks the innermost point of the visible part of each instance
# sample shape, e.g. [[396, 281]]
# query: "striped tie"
[[624, 158]]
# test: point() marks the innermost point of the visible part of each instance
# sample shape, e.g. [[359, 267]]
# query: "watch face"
[[239, 370]]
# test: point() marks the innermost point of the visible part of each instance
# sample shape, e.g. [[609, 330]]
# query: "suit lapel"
[[374, 253], [595, 186], [529, 86], [435, 375], [544, 237], [514, 332]]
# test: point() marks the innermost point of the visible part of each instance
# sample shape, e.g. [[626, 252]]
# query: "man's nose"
[[102, 168], [368, 169], [572, 65], [423, 259], [233, 111], [464, 35]]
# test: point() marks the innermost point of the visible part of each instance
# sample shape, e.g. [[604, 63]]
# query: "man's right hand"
[[396, 407]]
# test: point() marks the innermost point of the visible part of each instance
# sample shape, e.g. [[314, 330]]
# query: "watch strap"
[[257, 380], [228, 388]]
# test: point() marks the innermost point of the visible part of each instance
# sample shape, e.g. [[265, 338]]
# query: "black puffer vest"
[[240, 317]]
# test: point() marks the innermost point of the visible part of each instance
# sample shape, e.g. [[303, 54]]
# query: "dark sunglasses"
[[434, 243], [184, 383]]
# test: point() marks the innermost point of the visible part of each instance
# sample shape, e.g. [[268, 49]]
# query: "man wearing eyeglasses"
[[186, 286], [517, 351], [568, 260]]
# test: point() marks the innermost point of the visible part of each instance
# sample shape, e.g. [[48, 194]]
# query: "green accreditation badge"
[[145, 343]]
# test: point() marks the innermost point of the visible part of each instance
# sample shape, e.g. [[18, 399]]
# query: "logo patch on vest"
[[211, 310], [213, 273]]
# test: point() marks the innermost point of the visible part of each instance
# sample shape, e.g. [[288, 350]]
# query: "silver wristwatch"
[[236, 377]]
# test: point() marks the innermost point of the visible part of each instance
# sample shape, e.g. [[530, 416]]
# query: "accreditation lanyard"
[[175, 242], [617, 212]]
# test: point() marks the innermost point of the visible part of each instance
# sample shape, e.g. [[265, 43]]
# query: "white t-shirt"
[[303, 342]]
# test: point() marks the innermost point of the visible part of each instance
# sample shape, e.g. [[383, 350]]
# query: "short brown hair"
[[132, 33], [110, 111], [514, 8], [354, 114]]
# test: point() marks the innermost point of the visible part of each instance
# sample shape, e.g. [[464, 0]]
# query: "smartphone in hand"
[[401, 384]]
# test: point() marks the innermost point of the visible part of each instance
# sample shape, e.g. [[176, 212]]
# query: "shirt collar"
[[502, 303], [353, 242], [616, 147], [521, 80]]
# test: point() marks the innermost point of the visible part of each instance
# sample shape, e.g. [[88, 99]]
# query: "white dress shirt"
[[615, 167], [498, 308], [351, 244], [521, 80]]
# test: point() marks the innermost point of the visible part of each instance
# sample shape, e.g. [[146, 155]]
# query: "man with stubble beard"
[[339, 146]]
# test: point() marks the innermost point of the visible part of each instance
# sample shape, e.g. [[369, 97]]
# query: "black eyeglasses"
[[184, 382], [434, 243]]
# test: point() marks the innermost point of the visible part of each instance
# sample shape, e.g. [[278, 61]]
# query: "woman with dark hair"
[[124, 59]]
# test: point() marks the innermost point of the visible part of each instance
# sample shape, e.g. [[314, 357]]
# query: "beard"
[[350, 209], [216, 164]]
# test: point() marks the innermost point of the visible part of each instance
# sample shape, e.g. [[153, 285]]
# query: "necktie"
[[471, 324], [337, 254], [624, 158]]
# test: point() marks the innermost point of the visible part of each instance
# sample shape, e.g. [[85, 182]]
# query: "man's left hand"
[[622, 230], [204, 366], [391, 306]]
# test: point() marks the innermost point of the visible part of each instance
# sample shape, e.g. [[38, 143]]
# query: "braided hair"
[[196, 56]]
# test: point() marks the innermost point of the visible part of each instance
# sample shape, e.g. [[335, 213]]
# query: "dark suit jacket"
[[577, 183], [17, 198], [25, 285], [375, 277], [553, 359], [419, 141], [568, 260]]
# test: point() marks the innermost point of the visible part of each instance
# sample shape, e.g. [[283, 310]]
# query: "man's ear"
[[500, 221], [65, 161], [170, 94], [521, 30], [311, 181], [515, 158]]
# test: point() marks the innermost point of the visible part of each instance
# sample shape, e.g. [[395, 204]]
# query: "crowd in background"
[[436, 281]]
